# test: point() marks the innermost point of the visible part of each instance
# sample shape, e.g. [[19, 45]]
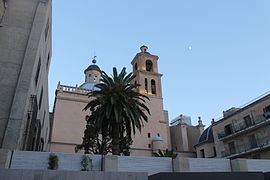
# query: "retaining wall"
[[151, 165], [26, 174], [39, 160]]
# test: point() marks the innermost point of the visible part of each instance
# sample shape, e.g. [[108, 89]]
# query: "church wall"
[[208, 149], [69, 117], [184, 137], [61, 147], [156, 125], [193, 134], [69, 120], [177, 138]]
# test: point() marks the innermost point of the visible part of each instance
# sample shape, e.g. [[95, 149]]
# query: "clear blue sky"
[[228, 64]]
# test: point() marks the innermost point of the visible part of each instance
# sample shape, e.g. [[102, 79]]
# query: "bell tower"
[[155, 133], [145, 67]]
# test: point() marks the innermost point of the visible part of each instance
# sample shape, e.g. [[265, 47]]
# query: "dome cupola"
[[92, 66], [207, 135], [92, 75]]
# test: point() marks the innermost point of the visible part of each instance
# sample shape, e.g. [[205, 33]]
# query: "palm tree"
[[167, 153], [117, 107]]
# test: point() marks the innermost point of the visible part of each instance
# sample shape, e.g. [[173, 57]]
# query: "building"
[[181, 119], [205, 148], [25, 53], [70, 100], [184, 136], [68, 117], [156, 133], [241, 133]]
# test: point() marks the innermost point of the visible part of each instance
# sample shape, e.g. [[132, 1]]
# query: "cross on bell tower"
[[145, 68]]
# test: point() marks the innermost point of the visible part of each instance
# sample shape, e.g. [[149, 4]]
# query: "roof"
[[92, 67], [157, 138], [207, 135], [246, 106], [89, 86]]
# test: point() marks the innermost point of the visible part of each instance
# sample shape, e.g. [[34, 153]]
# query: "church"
[[68, 119]]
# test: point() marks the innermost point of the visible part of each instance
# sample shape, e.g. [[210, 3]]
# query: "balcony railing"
[[73, 89], [240, 150], [242, 127]]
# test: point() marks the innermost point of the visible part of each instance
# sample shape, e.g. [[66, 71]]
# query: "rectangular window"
[[232, 148], [149, 135], [267, 109], [266, 112], [215, 152], [247, 120], [252, 141], [48, 61], [47, 29], [40, 98], [202, 153], [43, 118], [149, 146], [38, 71], [228, 129]]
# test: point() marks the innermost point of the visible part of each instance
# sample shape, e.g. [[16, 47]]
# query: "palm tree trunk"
[[115, 140]]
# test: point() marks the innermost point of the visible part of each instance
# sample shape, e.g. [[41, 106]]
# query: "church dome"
[[207, 136], [92, 67]]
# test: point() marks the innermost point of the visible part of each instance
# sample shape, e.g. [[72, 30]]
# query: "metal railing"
[[242, 126], [241, 149]]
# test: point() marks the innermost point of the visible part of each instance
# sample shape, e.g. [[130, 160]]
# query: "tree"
[[167, 153], [96, 143], [118, 109], [93, 141]]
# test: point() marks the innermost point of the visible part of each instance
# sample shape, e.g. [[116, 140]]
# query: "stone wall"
[[151, 165], [209, 165], [19, 174], [251, 165], [201, 165], [39, 160]]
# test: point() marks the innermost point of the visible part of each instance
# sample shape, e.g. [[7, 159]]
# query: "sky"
[[213, 54]]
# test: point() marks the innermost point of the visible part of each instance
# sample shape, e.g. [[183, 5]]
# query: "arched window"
[[153, 86], [135, 84], [145, 85], [136, 66], [89, 77], [95, 78], [149, 65]]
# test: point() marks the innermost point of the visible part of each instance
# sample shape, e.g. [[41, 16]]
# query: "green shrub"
[[53, 162], [86, 163]]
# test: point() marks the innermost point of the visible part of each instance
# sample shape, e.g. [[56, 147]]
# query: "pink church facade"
[[69, 120]]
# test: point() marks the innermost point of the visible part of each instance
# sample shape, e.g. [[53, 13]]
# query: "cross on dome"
[[94, 61]]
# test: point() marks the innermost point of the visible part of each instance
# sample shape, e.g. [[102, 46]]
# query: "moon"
[[189, 47]]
